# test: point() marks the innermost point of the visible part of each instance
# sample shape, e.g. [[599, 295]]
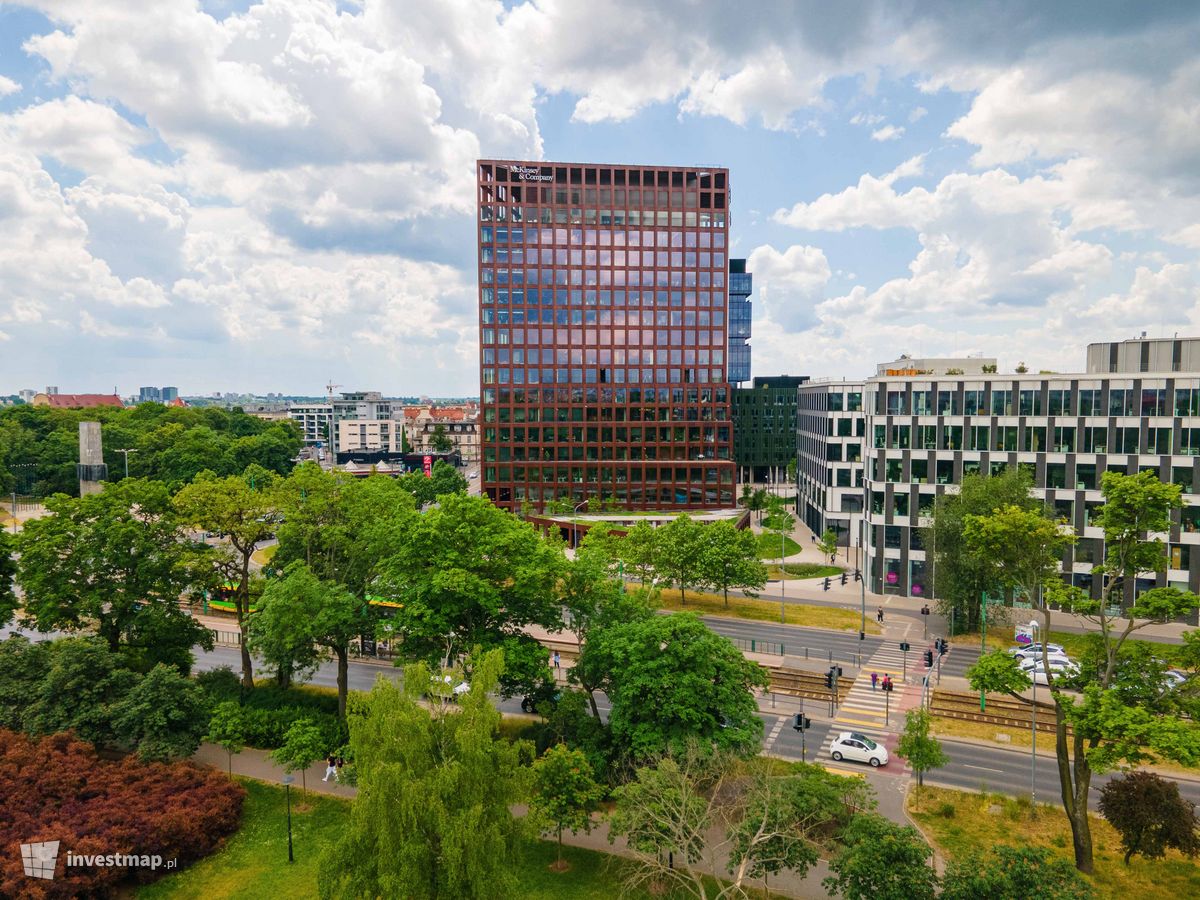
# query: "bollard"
[[806, 653]]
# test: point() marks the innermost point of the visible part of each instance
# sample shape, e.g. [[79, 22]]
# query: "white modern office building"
[[927, 423]]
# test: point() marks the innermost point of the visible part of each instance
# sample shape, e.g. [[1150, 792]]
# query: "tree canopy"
[[963, 575], [116, 562], [173, 444], [433, 815], [671, 681], [468, 574]]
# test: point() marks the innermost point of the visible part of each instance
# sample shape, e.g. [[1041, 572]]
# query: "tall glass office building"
[[603, 302]]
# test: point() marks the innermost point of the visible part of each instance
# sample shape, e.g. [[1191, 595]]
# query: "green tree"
[[672, 680], [243, 510], [115, 563], [962, 576], [1010, 872], [443, 479], [468, 574], [433, 817], [303, 744], [1150, 816], [828, 544], [1114, 718], [8, 570], [22, 667], [278, 632], [82, 682], [439, 441], [640, 551], [565, 793], [162, 715], [780, 523], [881, 860], [729, 558], [227, 729], [679, 546], [686, 812], [918, 746]]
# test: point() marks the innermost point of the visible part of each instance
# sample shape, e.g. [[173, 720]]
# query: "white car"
[[858, 747], [1025, 651], [1056, 661], [1063, 670]]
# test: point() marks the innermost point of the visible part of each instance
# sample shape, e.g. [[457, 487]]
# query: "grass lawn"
[[253, 863], [804, 570], [767, 611], [959, 822], [768, 546], [264, 555]]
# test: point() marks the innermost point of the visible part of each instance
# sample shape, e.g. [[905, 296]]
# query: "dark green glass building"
[[764, 426]]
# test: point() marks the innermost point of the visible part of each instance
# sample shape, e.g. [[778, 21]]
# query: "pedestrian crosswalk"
[[867, 708]]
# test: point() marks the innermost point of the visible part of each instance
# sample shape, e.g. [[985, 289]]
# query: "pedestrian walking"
[[887, 682], [557, 663], [330, 768], [879, 616], [874, 679], [338, 774]]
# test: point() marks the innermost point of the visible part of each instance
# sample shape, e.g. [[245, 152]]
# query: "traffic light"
[[802, 722], [929, 659], [829, 679], [838, 671], [827, 582], [905, 646], [942, 646], [843, 577], [857, 575]]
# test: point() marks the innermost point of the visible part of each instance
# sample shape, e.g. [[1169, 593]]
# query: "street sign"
[[428, 462], [1023, 634]]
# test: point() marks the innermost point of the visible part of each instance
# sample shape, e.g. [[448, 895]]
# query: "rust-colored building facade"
[[603, 334]]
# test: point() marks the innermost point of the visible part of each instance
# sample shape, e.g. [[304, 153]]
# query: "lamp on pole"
[[862, 574], [1033, 630], [127, 452], [287, 787], [575, 525]]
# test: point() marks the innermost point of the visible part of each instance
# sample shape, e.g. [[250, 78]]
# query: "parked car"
[[859, 748], [1056, 661], [1173, 678], [1037, 672], [1025, 651]]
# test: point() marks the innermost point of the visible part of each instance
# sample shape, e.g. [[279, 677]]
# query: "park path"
[[258, 764]]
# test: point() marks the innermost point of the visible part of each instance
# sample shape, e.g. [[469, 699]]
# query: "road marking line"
[[982, 768]]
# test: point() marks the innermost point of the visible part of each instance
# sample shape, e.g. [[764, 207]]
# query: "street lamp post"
[[575, 525], [127, 452], [287, 787], [1033, 630], [862, 574]]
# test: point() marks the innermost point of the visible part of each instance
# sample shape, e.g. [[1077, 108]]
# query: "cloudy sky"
[[225, 195]]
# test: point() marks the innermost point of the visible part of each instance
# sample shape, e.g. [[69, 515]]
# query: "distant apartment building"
[[149, 395], [764, 427], [319, 422], [27, 394], [369, 436], [315, 421], [76, 401], [458, 423], [168, 394], [928, 423]]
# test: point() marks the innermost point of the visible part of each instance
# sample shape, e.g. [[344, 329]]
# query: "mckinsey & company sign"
[[530, 173]]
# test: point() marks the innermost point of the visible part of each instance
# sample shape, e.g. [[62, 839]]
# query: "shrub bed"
[[57, 788], [268, 711]]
